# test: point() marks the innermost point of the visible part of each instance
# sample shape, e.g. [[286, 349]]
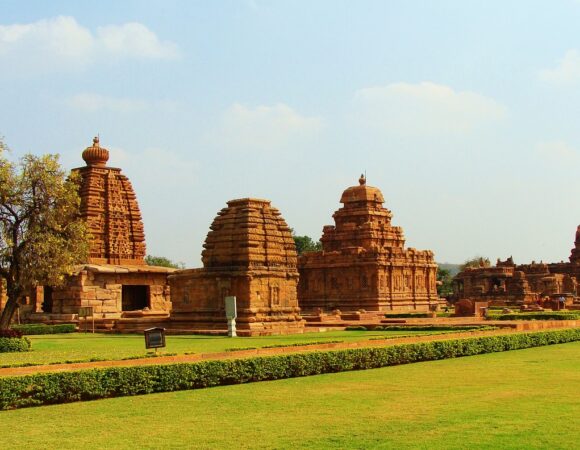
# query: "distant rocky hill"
[[452, 268]]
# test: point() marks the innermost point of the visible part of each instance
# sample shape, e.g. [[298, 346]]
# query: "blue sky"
[[465, 114]]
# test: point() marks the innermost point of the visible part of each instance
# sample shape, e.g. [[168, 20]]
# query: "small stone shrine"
[[115, 281], [364, 264], [249, 253], [549, 285]]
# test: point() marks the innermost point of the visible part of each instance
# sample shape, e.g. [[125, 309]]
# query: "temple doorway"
[[135, 297]]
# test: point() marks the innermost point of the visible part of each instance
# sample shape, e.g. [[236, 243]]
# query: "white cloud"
[[567, 71], [557, 151], [425, 109], [94, 102], [264, 128], [61, 43]]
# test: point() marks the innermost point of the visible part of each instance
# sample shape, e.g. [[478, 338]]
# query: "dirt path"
[[16, 371]]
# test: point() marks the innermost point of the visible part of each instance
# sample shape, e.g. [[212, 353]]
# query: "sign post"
[[154, 338], [85, 312], [231, 314]]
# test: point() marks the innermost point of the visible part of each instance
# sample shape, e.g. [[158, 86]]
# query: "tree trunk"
[[8, 312]]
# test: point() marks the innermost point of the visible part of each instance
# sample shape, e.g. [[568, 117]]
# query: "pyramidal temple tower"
[[109, 206], [249, 253], [122, 291], [364, 263]]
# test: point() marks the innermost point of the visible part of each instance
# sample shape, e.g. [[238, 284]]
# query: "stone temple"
[[364, 263], [115, 280], [510, 284], [248, 253]]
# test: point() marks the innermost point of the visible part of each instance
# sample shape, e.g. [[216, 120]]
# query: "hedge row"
[[45, 329], [63, 387], [537, 316], [14, 344]]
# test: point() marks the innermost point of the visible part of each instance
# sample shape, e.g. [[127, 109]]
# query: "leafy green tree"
[[476, 261], [162, 261], [42, 236], [445, 285], [306, 244]]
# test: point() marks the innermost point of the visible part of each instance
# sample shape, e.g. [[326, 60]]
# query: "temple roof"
[[362, 192], [248, 233], [110, 208], [95, 155]]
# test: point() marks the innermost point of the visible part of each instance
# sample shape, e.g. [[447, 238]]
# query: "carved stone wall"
[[508, 284], [248, 253], [364, 263], [109, 205]]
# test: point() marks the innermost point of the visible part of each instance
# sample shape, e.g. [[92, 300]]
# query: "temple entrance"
[[47, 300], [135, 297]]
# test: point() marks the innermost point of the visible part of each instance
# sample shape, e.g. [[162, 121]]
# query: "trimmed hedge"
[[41, 328], [14, 344], [537, 316], [63, 387]]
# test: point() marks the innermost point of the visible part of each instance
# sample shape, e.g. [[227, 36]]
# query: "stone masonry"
[[364, 263], [248, 253], [510, 284]]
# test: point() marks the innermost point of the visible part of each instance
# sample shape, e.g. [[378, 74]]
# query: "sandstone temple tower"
[[364, 263], [110, 208], [248, 253], [114, 281]]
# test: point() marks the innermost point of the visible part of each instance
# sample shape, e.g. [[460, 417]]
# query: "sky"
[[465, 114]]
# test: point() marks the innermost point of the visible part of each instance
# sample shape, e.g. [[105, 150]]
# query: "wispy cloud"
[[425, 109], [88, 102], [263, 128], [61, 43], [567, 70], [557, 151]]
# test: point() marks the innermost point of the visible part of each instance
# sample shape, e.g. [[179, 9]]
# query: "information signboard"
[[84, 313], [154, 338], [231, 310]]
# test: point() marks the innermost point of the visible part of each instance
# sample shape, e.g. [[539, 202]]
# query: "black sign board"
[[154, 337]]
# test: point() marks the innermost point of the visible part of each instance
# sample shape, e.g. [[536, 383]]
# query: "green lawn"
[[48, 349], [519, 399]]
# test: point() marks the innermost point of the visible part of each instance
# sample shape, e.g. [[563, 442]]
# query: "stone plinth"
[[364, 263], [249, 253]]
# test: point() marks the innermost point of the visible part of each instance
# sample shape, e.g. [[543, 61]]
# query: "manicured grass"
[[47, 349], [518, 399]]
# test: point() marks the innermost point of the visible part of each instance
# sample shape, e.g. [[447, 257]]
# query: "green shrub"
[[14, 344], [10, 333], [63, 387], [41, 328], [556, 315]]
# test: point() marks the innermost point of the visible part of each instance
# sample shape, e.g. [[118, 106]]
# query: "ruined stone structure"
[[509, 284], [364, 263], [115, 281], [249, 253]]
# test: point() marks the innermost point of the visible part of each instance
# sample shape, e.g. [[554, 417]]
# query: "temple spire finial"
[[362, 180]]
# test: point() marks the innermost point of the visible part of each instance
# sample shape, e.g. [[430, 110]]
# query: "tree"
[[42, 236], [476, 261], [445, 285], [162, 261], [306, 244]]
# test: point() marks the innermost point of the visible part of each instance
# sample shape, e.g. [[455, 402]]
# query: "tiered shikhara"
[[364, 263], [249, 253], [109, 205]]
